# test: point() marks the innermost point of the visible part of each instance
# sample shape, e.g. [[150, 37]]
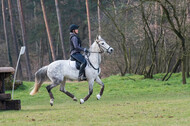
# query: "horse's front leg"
[[90, 83], [99, 81]]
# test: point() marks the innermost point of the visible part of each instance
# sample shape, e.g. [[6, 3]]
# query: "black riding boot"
[[81, 76]]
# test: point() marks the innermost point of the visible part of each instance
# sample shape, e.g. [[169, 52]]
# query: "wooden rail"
[[5, 99]]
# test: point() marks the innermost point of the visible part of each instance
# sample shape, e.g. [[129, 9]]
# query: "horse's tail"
[[40, 77]]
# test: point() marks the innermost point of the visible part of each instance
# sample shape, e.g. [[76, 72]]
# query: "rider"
[[76, 49]]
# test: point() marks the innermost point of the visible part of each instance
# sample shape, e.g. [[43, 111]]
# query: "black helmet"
[[73, 27]]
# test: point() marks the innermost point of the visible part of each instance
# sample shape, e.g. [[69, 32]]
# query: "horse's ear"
[[99, 37]]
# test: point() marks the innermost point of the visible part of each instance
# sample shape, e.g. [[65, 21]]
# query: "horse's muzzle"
[[110, 50]]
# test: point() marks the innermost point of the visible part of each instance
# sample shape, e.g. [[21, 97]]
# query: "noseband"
[[100, 47]]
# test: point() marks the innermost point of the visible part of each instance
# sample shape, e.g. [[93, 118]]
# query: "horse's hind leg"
[[98, 80], [91, 83], [49, 87], [62, 89]]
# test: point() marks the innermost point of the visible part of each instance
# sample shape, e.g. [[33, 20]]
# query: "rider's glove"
[[86, 50]]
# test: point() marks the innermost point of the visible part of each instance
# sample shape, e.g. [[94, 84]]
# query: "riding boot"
[[81, 76]]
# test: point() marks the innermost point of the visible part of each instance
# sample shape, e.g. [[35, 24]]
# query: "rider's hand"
[[86, 50]]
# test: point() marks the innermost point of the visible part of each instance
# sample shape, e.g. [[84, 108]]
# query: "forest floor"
[[125, 102]]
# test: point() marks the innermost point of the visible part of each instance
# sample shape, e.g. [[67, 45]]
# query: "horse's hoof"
[[51, 102], [98, 97], [74, 99], [81, 101]]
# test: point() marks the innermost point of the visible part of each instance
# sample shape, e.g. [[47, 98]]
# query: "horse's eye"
[[102, 43]]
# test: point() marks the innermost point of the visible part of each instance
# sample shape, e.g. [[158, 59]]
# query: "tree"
[[60, 28], [99, 20], [22, 25], [14, 38], [177, 24], [48, 31], [125, 66], [153, 41], [188, 22], [5, 33], [89, 26]]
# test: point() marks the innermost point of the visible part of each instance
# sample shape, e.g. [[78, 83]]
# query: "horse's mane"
[[94, 46]]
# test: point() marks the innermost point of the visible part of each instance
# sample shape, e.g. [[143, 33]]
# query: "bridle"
[[101, 51], [100, 47]]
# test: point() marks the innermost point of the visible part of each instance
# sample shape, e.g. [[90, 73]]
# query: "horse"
[[58, 71]]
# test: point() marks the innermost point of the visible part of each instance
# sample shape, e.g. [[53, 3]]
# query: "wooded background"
[[148, 36]]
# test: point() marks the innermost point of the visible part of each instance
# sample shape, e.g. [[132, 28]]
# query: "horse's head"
[[103, 45]]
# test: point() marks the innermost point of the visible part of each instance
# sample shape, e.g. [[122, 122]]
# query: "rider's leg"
[[81, 71], [80, 58]]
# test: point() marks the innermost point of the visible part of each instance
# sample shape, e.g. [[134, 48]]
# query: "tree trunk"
[[176, 28], [127, 36], [187, 69], [99, 20], [48, 30], [48, 51], [41, 54], [139, 61], [183, 67], [5, 32], [168, 64], [60, 28], [35, 25], [89, 26], [122, 44], [20, 76], [188, 55], [156, 34], [21, 19], [114, 6], [152, 44], [174, 69]]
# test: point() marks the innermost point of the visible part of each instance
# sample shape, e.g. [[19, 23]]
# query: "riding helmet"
[[73, 27]]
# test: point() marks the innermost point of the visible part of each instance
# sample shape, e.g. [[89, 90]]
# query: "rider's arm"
[[76, 44]]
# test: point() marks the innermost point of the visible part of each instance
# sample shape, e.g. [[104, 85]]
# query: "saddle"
[[75, 63]]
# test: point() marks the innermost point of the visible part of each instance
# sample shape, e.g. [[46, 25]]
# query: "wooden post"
[[21, 19], [99, 23], [5, 31], [88, 19], [14, 37], [48, 30], [60, 28]]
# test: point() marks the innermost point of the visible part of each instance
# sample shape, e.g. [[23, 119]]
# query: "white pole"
[[22, 50]]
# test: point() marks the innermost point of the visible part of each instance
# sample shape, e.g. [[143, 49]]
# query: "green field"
[[144, 102]]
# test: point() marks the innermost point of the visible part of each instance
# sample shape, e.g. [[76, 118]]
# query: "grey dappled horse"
[[58, 71]]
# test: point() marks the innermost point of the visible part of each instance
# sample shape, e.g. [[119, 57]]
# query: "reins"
[[91, 63], [96, 52], [88, 55]]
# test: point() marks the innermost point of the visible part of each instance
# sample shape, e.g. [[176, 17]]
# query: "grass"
[[143, 102]]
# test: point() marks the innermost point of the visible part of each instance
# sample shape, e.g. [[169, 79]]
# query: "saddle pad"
[[74, 65]]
